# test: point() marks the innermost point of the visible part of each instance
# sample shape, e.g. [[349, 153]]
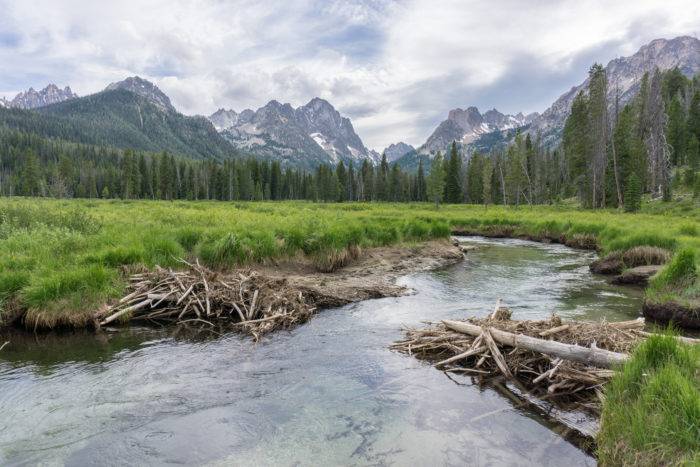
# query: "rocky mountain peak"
[[624, 76], [223, 118], [396, 150], [32, 99], [315, 130], [144, 88], [465, 126]]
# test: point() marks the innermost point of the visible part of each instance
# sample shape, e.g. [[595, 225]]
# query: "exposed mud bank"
[[685, 316], [372, 275]]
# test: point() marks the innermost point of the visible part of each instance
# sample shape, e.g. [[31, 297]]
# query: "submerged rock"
[[637, 276]]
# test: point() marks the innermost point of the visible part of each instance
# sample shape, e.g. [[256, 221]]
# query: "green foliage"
[[633, 194], [652, 408], [679, 274], [436, 180], [45, 290], [453, 177]]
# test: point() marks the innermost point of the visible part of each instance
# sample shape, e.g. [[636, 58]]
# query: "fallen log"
[[589, 356]]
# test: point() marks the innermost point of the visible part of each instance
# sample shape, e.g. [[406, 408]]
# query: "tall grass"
[[651, 414], [45, 244]]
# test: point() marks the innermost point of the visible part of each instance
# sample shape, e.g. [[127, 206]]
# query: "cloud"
[[395, 67]]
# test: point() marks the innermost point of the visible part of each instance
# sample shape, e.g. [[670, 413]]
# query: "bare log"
[[126, 310], [595, 357]]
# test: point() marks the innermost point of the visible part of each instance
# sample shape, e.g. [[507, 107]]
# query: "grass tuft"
[[651, 414]]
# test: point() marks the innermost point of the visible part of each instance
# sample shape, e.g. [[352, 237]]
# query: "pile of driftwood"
[[561, 361], [198, 296]]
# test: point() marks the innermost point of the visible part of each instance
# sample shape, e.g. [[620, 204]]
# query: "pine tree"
[[30, 181], [453, 177], [598, 117], [693, 153], [421, 194], [575, 143], [633, 193], [382, 180], [486, 178], [435, 185], [677, 137]]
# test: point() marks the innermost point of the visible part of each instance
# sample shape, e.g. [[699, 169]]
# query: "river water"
[[325, 393]]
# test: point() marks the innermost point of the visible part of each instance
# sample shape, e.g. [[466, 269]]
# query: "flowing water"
[[325, 393]]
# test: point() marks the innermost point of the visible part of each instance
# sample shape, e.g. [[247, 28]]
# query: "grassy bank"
[[651, 415], [61, 259]]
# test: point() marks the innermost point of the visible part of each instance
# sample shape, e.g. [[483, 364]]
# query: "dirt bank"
[[684, 315], [372, 275]]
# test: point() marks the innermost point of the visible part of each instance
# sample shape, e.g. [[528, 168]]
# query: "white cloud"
[[395, 67]]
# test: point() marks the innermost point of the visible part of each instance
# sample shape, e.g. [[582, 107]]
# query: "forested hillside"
[[609, 157], [121, 119]]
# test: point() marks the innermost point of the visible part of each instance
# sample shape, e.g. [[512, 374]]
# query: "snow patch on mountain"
[[467, 125], [311, 134]]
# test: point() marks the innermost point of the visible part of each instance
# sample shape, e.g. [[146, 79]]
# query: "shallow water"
[[328, 392]]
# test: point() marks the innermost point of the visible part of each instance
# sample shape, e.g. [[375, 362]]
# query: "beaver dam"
[[328, 392], [565, 362]]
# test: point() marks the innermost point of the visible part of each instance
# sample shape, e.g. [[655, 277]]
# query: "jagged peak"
[[143, 88]]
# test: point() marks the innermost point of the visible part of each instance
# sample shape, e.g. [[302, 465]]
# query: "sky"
[[394, 67]]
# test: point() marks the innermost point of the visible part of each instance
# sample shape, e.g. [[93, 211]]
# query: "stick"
[[466, 354], [554, 330], [497, 356], [116, 315], [495, 309]]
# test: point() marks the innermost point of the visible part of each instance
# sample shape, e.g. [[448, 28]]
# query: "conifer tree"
[[435, 185], [633, 193], [421, 194], [453, 177]]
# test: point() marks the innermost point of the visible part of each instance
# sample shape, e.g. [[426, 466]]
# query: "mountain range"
[[624, 77], [32, 99], [306, 136], [466, 126], [130, 114], [135, 113]]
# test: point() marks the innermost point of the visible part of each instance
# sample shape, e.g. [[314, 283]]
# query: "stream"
[[328, 392]]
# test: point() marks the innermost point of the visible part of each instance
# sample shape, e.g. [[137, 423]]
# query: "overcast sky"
[[394, 67]]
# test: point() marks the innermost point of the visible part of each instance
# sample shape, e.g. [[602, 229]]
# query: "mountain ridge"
[[308, 135], [32, 99]]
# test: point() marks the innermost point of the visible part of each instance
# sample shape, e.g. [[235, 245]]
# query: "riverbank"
[[264, 298], [60, 260]]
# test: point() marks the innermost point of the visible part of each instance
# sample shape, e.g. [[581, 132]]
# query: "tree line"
[[609, 156]]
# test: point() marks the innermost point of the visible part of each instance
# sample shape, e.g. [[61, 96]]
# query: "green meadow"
[[62, 259]]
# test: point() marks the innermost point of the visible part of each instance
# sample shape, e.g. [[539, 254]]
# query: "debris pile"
[[245, 299], [564, 362]]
